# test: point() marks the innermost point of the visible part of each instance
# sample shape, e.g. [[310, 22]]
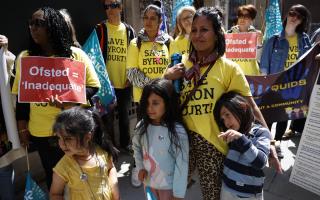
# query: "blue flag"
[[177, 4], [106, 94], [33, 191], [163, 25], [272, 19]]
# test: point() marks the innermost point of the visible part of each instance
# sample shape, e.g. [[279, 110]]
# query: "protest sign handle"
[[27, 156]]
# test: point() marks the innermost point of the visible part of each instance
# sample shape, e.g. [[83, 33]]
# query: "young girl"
[[249, 145], [160, 143], [86, 168]]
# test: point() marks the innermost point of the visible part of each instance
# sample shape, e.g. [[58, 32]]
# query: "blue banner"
[[177, 4], [272, 19], [33, 191], [106, 94], [285, 95]]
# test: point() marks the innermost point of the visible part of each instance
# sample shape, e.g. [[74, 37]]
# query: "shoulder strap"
[[139, 42], [103, 40], [186, 101], [130, 32]]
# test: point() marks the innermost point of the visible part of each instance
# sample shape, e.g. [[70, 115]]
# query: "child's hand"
[[142, 174], [230, 135]]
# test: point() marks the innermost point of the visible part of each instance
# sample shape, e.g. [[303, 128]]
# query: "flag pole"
[[27, 156]]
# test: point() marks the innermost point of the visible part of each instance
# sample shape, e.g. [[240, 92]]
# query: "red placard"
[[241, 45], [42, 77]]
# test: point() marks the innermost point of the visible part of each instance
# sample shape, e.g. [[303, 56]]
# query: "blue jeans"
[[7, 183]]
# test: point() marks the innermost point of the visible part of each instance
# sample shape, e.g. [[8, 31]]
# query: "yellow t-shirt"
[[293, 52], [42, 115], [117, 55], [180, 45], [223, 77], [69, 170], [248, 66], [151, 64]]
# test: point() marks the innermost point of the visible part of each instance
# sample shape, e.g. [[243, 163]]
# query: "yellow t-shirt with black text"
[[151, 64], [223, 77], [248, 66], [42, 115], [116, 58], [293, 52], [180, 45]]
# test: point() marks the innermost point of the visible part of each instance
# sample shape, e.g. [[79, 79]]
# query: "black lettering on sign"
[[153, 70], [155, 61]]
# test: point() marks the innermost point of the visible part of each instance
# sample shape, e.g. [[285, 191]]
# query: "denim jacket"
[[275, 52]]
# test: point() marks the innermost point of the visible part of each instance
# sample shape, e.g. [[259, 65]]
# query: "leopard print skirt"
[[209, 162]]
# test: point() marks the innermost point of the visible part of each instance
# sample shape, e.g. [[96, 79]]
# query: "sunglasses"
[[37, 23], [295, 14], [244, 16], [111, 5]]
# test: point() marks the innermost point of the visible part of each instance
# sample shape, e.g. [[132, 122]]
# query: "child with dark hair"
[[160, 143], [87, 166], [249, 146]]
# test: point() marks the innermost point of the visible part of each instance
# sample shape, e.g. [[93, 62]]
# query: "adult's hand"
[[175, 72], [24, 136], [55, 101], [274, 161]]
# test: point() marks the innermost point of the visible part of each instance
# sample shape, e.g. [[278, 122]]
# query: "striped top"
[[247, 156]]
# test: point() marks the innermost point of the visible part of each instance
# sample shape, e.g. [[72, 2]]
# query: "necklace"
[[85, 177], [156, 52]]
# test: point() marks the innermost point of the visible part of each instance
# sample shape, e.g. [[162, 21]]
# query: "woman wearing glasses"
[[50, 36], [182, 29], [246, 15], [283, 49]]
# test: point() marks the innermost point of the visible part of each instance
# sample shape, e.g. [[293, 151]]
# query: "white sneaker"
[[135, 182]]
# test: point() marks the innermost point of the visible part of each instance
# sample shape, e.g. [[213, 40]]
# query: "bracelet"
[[23, 130]]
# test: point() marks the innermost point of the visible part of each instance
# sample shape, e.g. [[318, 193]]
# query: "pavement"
[[277, 186]]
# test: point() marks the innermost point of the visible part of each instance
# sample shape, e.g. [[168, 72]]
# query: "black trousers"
[[123, 104], [280, 129], [49, 154], [298, 125]]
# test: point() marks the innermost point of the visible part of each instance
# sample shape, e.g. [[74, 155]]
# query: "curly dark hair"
[[172, 115], [213, 14], [60, 36], [78, 122]]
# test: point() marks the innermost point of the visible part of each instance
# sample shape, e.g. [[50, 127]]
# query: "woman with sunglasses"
[[246, 14], [182, 29], [283, 49], [49, 36]]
